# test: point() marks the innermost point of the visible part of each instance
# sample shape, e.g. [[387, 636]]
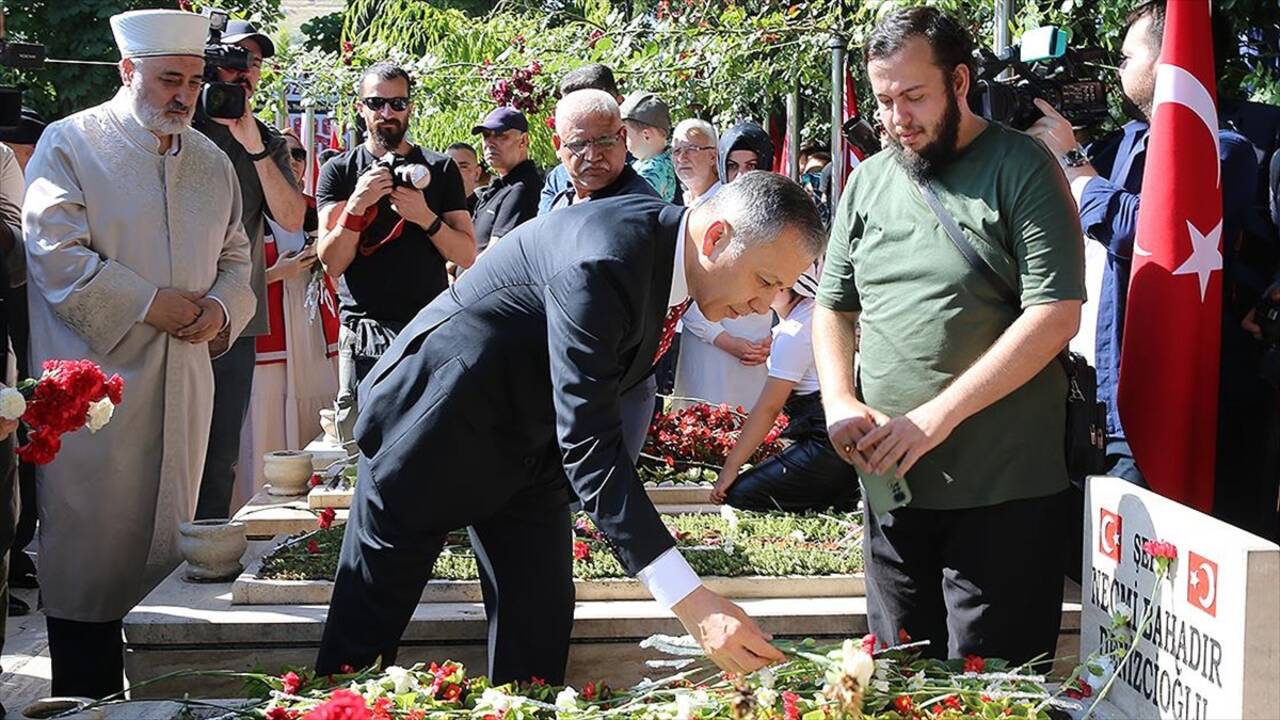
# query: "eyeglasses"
[[678, 150], [603, 143], [299, 154], [399, 104]]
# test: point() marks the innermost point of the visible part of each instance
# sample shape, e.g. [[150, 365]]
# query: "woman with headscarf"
[[808, 475], [723, 362]]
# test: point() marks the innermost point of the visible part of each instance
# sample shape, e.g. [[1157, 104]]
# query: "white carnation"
[[403, 680], [495, 700], [684, 705], [12, 404], [567, 699], [766, 697], [857, 664], [99, 415]]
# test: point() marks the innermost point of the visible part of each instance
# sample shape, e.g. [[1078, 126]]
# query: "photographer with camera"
[[392, 213], [267, 187], [1106, 180]]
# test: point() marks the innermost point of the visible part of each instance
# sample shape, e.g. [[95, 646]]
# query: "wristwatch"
[[1074, 158], [435, 226]]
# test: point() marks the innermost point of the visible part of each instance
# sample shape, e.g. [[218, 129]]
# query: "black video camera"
[[403, 172], [1041, 66], [22, 56], [224, 100]]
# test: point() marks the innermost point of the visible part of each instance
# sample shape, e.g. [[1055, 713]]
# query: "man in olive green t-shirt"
[[960, 392]]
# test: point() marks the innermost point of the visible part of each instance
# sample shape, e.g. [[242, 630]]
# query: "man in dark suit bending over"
[[499, 402]]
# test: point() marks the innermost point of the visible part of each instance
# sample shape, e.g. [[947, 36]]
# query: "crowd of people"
[[180, 251]]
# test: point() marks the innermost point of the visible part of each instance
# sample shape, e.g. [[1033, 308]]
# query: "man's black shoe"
[[17, 608]]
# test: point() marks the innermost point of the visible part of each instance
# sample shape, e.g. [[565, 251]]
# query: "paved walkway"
[[25, 660]]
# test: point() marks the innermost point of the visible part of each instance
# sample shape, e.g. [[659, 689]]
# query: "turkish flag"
[[1168, 386], [852, 156]]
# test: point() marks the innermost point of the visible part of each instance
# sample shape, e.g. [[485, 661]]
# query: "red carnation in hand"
[[341, 705], [292, 683], [581, 550], [974, 664], [42, 446], [115, 389], [325, 521]]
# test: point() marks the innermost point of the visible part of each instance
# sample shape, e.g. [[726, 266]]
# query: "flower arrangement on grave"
[[69, 395], [732, 544], [690, 444]]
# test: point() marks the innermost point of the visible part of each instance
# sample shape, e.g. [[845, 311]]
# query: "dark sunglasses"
[[399, 104], [298, 154]]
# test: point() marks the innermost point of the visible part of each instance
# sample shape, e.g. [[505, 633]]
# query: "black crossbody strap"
[[975, 260]]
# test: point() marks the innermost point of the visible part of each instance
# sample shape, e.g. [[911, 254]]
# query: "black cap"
[[504, 118], [238, 30], [27, 131]]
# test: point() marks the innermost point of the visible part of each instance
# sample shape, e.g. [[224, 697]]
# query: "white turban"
[[146, 33]]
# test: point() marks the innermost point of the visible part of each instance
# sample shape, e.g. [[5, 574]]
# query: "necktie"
[[669, 328]]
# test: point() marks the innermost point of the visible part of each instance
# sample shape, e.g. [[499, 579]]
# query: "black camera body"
[[1267, 316], [1050, 71], [23, 56], [222, 99], [403, 172]]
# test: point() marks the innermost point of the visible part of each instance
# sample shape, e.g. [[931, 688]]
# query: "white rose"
[[567, 699], [857, 664], [12, 404], [99, 415], [402, 679]]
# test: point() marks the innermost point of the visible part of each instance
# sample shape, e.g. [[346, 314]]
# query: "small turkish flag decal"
[[1202, 583], [1109, 534]]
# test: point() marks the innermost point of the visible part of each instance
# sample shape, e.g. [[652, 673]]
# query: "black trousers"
[[522, 543], [807, 476], [232, 388], [983, 581], [87, 658]]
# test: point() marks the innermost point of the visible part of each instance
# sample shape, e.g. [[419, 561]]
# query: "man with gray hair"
[[513, 379], [693, 148], [591, 142], [136, 259]]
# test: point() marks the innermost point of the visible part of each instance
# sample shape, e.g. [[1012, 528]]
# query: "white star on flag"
[[1205, 256]]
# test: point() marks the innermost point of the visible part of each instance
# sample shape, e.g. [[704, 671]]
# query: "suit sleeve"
[[587, 308]]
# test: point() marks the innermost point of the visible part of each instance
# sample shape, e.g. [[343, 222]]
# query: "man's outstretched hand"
[[732, 640]]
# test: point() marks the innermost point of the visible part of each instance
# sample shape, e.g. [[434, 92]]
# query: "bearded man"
[[959, 392], [136, 259]]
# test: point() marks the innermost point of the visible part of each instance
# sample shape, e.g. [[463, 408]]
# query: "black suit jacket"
[[510, 380]]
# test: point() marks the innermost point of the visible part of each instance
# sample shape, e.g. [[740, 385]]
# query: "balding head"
[[590, 139]]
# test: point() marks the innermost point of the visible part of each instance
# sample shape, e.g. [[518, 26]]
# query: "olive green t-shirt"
[[926, 316]]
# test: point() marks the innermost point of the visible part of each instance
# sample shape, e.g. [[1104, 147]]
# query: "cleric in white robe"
[[136, 258]]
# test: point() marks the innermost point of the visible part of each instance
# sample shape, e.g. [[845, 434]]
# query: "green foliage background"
[[722, 60]]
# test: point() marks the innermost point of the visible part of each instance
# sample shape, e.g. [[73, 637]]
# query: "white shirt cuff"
[[226, 316], [147, 308], [1078, 185], [669, 579]]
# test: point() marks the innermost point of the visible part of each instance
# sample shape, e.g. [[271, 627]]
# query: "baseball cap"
[[504, 118], [647, 108], [238, 30]]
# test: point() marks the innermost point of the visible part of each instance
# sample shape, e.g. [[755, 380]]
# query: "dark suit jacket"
[[509, 381]]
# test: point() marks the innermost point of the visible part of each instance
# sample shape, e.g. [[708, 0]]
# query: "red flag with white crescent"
[[1168, 386]]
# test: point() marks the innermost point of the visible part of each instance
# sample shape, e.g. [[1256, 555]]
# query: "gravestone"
[[1212, 649]]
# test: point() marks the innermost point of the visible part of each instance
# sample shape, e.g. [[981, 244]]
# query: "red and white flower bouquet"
[[69, 395]]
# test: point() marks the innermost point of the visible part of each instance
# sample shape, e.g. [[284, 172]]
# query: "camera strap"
[[983, 268], [367, 249]]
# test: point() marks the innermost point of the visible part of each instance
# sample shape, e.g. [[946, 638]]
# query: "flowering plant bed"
[[729, 545], [690, 445]]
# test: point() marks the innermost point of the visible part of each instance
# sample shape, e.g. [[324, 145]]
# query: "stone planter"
[[287, 472], [55, 706], [212, 549]]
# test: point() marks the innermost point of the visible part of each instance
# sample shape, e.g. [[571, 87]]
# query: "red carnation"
[[581, 550], [1160, 549], [451, 693], [974, 664], [325, 521], [42, 445], [382, 708], [313, 547], [589, 691], [341, 705], [115, 389], [903, 637], [903, 705], [279, 713], [315, 480], [869, 643], [536, 681], [790, 706], [292, 683]]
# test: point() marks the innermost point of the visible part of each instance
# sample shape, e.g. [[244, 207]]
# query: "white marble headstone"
[[1212, 651]]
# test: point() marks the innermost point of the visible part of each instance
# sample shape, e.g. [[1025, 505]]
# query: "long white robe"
[[108, 220]]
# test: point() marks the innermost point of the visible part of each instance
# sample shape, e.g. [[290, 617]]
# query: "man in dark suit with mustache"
[[499, 403]]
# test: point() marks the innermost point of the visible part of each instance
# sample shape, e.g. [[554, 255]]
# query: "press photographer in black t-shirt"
[[386, 241]]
